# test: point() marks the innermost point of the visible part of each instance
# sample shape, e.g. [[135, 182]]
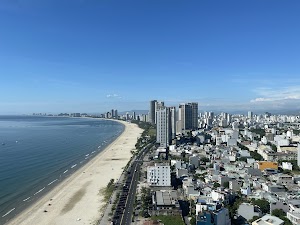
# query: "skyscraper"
[[152, 111], [158, 106], [173, 121], [194, 115], [250, 114], [163, 128], [188, 116], [112, 113]]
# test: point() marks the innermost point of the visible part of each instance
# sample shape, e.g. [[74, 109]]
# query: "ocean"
[[36, 153]]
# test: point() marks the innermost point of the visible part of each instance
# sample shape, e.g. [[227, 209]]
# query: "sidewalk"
[[105, 219]]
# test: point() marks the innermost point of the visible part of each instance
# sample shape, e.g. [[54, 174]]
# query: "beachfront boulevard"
[[125, 207]]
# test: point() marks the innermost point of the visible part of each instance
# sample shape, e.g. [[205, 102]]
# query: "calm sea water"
[[36, 153]]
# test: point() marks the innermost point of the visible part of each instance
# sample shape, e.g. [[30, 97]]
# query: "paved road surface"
[[124, 209]]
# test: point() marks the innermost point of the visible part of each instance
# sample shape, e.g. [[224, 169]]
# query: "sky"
[[92, 56]]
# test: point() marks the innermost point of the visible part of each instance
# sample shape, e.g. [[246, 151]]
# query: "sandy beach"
[[77, 200]]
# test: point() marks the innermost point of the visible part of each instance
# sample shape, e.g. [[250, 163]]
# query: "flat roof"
[[166, 197]]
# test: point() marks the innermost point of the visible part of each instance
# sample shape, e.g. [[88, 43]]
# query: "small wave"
[[8, 212], [73, 166], [39, 191], [93, 152], [52, 182], [26, 199], [87, 155]]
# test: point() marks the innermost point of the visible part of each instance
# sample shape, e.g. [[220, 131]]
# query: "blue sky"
[[91, 56]]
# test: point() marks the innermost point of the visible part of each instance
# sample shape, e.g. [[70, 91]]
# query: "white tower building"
[[159, 175], [163, 126]]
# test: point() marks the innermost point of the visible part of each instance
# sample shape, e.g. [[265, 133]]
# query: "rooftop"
[[269, 220], [166, 197]]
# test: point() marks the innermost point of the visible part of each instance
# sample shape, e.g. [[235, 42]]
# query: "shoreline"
[[76, 200]]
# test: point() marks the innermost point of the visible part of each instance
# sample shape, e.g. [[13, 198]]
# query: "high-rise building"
[[159, 175], [133, 116], [188, 116], [194, 115], [173, 121], [112, 113], [211, 115], [158, 106], [163, 126], [229, 119], [152, 111], [116, 114], [250, 114]]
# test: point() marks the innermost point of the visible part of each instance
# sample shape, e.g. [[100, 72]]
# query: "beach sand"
[[77, 200]]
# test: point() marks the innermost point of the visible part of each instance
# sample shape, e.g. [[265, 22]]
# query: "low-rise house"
[[262, 165], [248, 211], [181, 172], [221, 196], [207, 204], [235, 185], [165, 203], [222, 179], [287, 166], [254, 172], [250, 161], [194, 160], [279, 205], [273, 188], [176, 163], [246, 190], [285, 179], [192, 193], [217, 217], [244, 153], [294, 212], [268, 220]]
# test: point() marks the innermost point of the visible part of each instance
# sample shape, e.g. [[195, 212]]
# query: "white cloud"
[[277, 94], [113, 96]]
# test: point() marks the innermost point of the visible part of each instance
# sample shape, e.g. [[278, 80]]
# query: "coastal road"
[[129, 207], [125, 208]]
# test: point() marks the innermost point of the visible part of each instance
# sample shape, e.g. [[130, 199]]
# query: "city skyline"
[[89, 56]]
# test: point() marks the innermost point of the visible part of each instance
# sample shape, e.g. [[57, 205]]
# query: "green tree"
[[263, 204], [226, 184], [287, 172], [256, 156], [282, 215], [204, 159], [261, 132], [202, 168], [193, 220], [279, 213], [216, 185], [242, 159], [274, 147]]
